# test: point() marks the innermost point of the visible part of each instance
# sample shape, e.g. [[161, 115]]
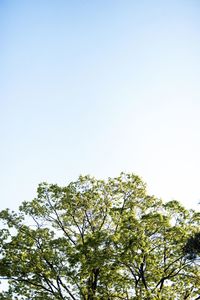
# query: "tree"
[[98, 240]]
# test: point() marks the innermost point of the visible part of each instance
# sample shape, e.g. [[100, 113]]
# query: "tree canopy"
[[98, 240]]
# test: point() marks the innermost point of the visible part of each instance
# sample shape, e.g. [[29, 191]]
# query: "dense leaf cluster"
[[192, 247], [98, 240]]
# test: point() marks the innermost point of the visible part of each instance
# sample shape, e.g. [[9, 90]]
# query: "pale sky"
[[99, 87]]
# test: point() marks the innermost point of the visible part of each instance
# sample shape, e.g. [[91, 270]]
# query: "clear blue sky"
[[100, 87]]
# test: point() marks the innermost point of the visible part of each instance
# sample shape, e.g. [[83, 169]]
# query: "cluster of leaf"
[[192, 247], [98, 240]]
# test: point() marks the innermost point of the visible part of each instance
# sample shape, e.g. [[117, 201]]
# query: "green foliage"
[[98, 240], [192, 247]]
